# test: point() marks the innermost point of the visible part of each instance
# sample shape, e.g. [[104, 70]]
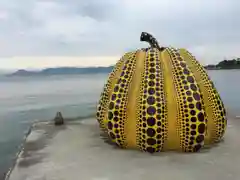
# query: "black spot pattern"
[[118, 103], [216, 104], [152, 121], [105, 96], [188, 96], [152, 109]]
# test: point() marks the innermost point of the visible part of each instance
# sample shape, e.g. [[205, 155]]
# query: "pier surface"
[[75, 151]]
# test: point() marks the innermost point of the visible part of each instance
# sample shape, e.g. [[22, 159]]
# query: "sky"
[[47, 33]]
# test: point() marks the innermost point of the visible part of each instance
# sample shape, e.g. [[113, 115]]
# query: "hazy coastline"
[[222, 65]]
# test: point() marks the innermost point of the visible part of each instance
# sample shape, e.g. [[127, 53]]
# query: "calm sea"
[[25, 99]]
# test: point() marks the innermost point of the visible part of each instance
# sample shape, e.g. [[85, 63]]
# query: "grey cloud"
[[97, 9], [111, 27]]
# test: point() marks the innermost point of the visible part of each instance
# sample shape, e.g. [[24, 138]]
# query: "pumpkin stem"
[[151, 40]]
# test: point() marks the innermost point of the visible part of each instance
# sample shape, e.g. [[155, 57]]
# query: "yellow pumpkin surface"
[[157, 100]]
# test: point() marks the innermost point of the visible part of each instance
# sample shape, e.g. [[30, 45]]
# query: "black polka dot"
[[119, 81], [189, 93], [192, 112], [200, 116], [159, 130], [114, 96], [193, 87], [220, 108], [151, 91], [110, 115], [190, 79], [159, 136], [179, 58], [192, 137], [193, 126], [222, 114], [150, 150], [193, 133], [151, 100], [197, 147], [116, 88], [199, 106], [151, 83], [151, 76], [115, 119], [116, 113], [193, 119], [111, 105], [151, 110], [152, 70], [151, 121], [191, 106], [152, 64], [183, 64], [189, 99], [151, 141], [110, 125], [201, 128], [200, 138], [151, 132], [121, 90], [185, 71], [196, 96]]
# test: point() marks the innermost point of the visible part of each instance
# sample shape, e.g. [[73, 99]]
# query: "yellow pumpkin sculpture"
[[161, 98]]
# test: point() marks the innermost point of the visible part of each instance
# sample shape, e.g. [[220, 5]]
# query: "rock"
[[58, 120]]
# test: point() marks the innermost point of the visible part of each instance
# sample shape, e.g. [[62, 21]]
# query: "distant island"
[[225, 64], [62, 71]]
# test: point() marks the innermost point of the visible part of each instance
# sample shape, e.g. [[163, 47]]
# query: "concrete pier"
[[74, 151]]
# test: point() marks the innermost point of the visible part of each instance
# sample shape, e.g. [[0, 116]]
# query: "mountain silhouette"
[[62, 71]]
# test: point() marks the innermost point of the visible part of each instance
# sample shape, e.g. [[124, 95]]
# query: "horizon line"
[[54, 67]]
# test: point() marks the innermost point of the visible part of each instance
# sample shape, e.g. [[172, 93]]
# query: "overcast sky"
[[35, 33]]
